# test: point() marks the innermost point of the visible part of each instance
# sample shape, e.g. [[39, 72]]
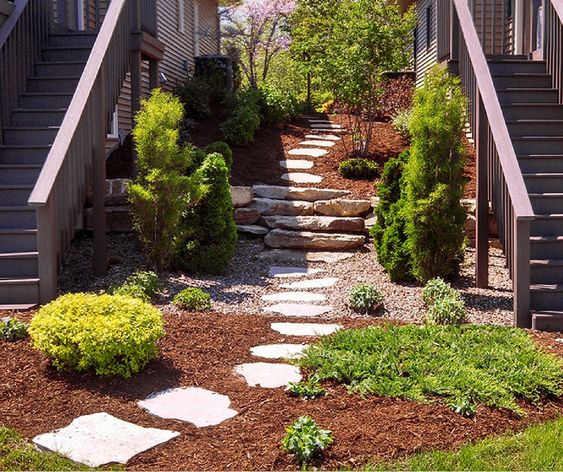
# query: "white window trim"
[[114, 126]]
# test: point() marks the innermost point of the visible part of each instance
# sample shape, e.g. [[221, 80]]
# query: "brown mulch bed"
[[201, 350]]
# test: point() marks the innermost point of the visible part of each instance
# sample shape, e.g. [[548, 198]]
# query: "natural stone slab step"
[[309, 284], [309, 152], [318, 120], [241, 196], [316, 223], [253, 230], [296, 164], [269, 207], [268, 375], [100, 439], [305, 329], [298, 193], [326, 125], [283, 239], [327, 137], [302, 178], [194, 405], [246, 216], [296, 309], [328, 130], [279, 351], [289, 256], [342, 207], [318, 143], [284, 272], [294, 297]]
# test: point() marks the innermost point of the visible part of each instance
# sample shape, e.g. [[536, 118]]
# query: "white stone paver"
[[296, 309], [282, 272], [268, 375], [309, 152], [317, 120], [294, 297], [302, 178], [305, 329], [194, 405], [308, 284], [99, 439], [318, 143], [326, 126], [279, 351], [329, 130], [297, 164], [327, 137]]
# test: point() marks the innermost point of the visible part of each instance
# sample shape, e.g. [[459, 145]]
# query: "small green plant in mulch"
[[309, 389], [465, 365], [12, 329], [444, 303], [365, 298], [305, 439], [359, 169], [144, 285], [193, 299]]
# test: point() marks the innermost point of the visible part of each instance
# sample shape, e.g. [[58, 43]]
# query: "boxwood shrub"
[[106, 334]]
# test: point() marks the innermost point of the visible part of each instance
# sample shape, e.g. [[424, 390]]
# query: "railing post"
[[482, 199], [47, 249], [521, 273]]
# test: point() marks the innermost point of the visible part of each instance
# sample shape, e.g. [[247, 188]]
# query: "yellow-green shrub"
[[108, 334]]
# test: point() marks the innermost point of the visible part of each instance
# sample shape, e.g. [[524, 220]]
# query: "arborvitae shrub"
[[107, 334], [223, 149], [434, 178], [358, 169], [210, 230]]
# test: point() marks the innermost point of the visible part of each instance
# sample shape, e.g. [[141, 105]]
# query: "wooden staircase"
[[27, 141]]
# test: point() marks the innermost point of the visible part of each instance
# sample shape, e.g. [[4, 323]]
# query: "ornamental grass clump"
[[305, 439], [105, 334]]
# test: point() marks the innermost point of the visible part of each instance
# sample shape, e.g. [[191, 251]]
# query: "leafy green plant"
[[221, 148], [491, 365], [12, 329], [359, 169], [436, 289], [365, 298], [276, 105], [144, 285], [305, 439], [463, 407], [307, 390], [241, 126], [401, 122], [108, 334], [193, 299], [447, 311]]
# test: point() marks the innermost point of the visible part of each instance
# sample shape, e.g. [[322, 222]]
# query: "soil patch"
[[202, 350]]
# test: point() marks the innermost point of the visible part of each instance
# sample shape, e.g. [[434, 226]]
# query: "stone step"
[[316, 223], [294, 297], [296, 164], [305, 329], [342, 207], [253, 230], [327, 137], [271, 207], [302, 178], [308, 152], [299, 309], [311, 284], [318, 143], [279, 351], [283, 239], [291, 272], [268, 375], [298, 193], [291, 256]]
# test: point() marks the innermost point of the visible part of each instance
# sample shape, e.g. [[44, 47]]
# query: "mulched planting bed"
[[201, 350]]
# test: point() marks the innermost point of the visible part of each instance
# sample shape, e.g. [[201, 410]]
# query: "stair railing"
[[553, 43], [22, 38], [500, 180], [77, 156]]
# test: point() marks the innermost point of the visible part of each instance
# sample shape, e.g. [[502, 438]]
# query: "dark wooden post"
[[47, 249], [99, 177], [482, 203], [521, 273], [153, 74]]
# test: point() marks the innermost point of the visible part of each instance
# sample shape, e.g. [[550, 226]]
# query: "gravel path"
[[240, 291]]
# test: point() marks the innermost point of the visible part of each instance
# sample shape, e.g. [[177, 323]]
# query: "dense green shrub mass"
[[210, 234], [358, 169], [193, 299], [365, 298], [195, 94], [108, 334], [276, 105], [474, 364], [241, 126], [12, 329], [389, 231], [144, 285]]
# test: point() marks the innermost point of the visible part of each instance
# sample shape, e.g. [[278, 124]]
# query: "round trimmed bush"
[[193, 299], [365, 298], [359, 169], [108, 334]]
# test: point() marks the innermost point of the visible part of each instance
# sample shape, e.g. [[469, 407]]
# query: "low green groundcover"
[[537, 448], [466, 365]]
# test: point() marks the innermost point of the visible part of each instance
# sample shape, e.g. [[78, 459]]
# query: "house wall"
[[426, 46]]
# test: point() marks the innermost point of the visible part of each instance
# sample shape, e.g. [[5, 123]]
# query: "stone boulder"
[[341, 207], [252, 230], [246, 216], [282, 239], [298, 193], [316, 223], [269, 207], [241, 196]]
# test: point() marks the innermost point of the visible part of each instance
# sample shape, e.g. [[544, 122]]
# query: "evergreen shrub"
[[144, 285], [223, 149], [193, 299], [358, 169]]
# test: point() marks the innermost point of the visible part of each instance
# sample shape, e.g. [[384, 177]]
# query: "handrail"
[[11, 22], [514, 180], [553, 43]]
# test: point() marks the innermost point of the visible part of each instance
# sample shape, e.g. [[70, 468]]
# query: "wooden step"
[[52, 84], [19, 264], [547, 320], [45, 100], [18, 294], [38, 116]]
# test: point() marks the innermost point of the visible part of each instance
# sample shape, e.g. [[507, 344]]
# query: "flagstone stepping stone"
[[310, 152], [285, 239], [294, 297], [278, 192], [302, 178], [326, 125], [327, 137], [283, 272], [318, 143], [291, 256], [342, 207], [279, 351], [305, 329], [317, 120], [316, 223], [296, 309], [268, 375], [329, 130], [193, 405], [308, 284], [296, 164], [253, 230], [100, 439], [269, 207]]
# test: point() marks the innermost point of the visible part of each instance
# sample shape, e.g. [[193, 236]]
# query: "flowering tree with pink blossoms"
[[258, 29]]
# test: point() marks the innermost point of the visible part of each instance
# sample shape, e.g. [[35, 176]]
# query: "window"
[[181, 16]]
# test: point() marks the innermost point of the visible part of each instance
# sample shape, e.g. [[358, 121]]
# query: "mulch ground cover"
[[201, 350]]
